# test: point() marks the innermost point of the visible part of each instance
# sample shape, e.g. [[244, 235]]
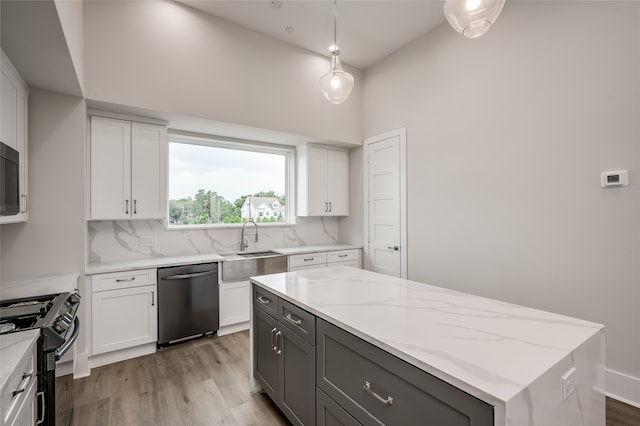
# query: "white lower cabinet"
[[17, 398], [234, 303], [298, 262], [124, 310]]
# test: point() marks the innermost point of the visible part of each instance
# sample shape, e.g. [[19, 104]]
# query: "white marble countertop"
[[37, 286], [157, 262], [13, 346], [488, 348]]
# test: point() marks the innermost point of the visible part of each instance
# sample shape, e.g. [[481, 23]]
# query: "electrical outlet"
[[568, 383], [148, 241]]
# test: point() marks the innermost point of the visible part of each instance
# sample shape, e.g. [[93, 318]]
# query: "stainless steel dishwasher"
[[188, 302]]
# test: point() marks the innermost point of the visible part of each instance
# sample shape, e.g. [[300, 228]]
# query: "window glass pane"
[[210, 184]]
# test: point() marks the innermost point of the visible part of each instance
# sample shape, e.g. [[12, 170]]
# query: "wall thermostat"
[[616, 178]]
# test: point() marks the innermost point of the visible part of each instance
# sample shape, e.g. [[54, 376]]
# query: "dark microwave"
[[9, 180]]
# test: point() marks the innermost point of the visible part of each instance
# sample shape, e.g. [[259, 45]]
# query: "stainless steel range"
[[55, 316]]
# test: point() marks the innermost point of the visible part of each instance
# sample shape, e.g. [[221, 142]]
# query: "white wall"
[[167, 57], [72, 23], [506, 139], [53, 240]]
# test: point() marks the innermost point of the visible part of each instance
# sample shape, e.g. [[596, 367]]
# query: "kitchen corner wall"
[[506, 138], [111, 241], [53, 240]]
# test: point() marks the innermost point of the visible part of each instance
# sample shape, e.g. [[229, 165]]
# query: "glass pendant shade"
[[472, 18], [336, 85]]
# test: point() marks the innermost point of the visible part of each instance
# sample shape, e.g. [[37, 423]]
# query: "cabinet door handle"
[[26, 203], [330, 208], [293, 320], [367, 387], [278, 351], [124, 280], [153, 298], [40, 395], [263, 300], [26, 379], [395, 248], [273, 345], [326, 207], [126, 208], [135, 206]]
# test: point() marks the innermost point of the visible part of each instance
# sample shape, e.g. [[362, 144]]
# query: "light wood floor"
[[201, 382]]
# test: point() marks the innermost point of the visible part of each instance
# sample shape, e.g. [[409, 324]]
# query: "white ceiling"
[[368, 30]]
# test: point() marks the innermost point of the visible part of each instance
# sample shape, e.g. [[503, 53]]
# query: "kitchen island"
[[525, 366]]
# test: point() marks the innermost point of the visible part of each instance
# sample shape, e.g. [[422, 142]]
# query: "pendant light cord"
[[335, 25]]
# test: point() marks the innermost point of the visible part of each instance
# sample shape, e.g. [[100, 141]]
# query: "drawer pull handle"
[[343, 255], [263, 300], [273, 346], [367, 387], [123, 280], [308, 259], [292, 319], [278, 351]]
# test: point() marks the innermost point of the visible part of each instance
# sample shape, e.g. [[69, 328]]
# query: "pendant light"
[[336, 85], [472, 18]]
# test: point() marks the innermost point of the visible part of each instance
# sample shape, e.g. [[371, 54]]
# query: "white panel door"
[[9, 110], [124, 318], [110, 168], [148, 159], [317, 182], [384, 206], [338, 182]]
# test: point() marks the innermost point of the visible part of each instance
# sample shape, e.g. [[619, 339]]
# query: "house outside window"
[[213, 182]]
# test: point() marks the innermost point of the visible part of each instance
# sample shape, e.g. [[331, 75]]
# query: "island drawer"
[[297, 320], [307, 259], [376, 387], [329, 413], [265, 300]]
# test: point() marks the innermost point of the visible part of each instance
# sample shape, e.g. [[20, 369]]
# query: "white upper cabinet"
[[128, 169], [323, 181], [14, 110]]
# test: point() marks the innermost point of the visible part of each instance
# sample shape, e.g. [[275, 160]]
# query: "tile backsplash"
[[113, 241]]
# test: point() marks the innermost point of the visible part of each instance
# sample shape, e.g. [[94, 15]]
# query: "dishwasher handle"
[[187, 276]]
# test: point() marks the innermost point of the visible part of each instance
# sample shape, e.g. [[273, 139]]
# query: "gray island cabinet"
[[343, 346]]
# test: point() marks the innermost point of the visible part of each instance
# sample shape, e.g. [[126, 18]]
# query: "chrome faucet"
[[243, 242]]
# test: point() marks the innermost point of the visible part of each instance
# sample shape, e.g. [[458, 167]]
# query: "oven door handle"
[[72, 339]]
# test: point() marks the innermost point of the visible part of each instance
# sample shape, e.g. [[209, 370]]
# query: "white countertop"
[[488, 348], [13, 346], [157, 262], [38, 286]]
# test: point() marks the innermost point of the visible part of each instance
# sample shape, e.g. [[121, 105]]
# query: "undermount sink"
[[241, 266], [259, 254]]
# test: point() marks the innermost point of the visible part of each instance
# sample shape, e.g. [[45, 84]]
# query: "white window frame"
[[239, 145]]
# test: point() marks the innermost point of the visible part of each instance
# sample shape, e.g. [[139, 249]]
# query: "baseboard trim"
[[121, 355], [234, 328], [623, 387]]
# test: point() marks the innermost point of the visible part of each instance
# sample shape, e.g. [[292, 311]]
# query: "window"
[[218, 183]]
